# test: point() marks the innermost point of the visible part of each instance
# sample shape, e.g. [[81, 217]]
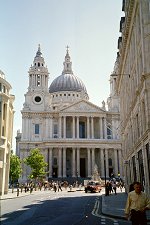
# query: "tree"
[[36, 161], [15, 168]]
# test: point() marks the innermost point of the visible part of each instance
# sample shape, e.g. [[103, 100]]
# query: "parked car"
[[93, 186]]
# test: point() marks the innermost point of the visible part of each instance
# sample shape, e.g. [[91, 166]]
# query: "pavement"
[[112, 205]]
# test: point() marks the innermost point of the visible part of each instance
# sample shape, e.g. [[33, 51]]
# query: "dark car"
[[93, 186]]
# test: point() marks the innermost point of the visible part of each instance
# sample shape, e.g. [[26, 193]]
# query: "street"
[[50, 208]]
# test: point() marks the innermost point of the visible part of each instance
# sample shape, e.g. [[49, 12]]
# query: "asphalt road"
[[60, 208]]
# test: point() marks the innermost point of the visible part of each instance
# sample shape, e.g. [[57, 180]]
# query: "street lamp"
[[105, 168]]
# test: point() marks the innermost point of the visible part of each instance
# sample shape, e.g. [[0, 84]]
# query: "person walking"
[[136, 205]]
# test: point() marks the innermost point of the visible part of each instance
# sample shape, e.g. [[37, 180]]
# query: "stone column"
[[73, 162], [59, 162], [100, 128], [78, 127], [60, 136], [78, 162], [64, 162], [64, 127], [92, 128], [73, 127], [89, 162], [116, 162], [50, 163], [88, 128], [102, 162], [51, 126], [105, 129], [93, 159], [107, 166]]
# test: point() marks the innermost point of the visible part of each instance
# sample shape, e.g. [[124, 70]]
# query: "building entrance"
[[82, 167]]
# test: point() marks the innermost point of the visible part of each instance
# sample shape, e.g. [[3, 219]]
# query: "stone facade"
[[133, 86], [73, 134], [6, 131]]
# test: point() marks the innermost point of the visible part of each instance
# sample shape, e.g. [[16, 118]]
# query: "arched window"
[[38, 64]]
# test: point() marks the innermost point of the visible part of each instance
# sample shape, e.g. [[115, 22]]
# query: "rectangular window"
[[37, 129], [55, 129]]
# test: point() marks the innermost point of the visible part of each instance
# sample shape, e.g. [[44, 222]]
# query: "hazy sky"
[[89, 27]]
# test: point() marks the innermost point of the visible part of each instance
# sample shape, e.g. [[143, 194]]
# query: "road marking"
[[103, 218]]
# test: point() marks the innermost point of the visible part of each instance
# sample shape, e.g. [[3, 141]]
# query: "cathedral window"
[[37, 129], [55, 129], [109, 132]]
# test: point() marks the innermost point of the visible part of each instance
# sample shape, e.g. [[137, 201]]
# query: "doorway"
[[82, 167]]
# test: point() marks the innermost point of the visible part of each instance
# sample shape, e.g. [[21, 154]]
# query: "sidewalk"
[[114, 205], [11, 195]]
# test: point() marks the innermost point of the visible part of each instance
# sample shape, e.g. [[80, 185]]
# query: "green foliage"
[[15, 168], [36, 161]]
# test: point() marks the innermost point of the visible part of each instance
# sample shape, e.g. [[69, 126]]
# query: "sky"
[[89, 27]]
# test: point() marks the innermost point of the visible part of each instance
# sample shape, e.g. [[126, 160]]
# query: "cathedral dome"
[[67, 81]]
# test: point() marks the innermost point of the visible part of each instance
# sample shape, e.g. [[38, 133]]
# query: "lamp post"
[[105, 169]]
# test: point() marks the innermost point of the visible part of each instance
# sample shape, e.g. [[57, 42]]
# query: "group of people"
[[137, 204], [112, 185]]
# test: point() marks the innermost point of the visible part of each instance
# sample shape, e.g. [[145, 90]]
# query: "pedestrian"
[[136, 205], [59, 186], [114, 187]]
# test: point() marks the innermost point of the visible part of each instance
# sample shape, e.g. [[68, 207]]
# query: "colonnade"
[[95, 127], [89, 125], [91, 161]]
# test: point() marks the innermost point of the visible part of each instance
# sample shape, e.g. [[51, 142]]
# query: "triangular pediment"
[[83, 106]]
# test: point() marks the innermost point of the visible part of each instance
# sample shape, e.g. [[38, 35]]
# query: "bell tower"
[[38, 73], [37, 96]]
